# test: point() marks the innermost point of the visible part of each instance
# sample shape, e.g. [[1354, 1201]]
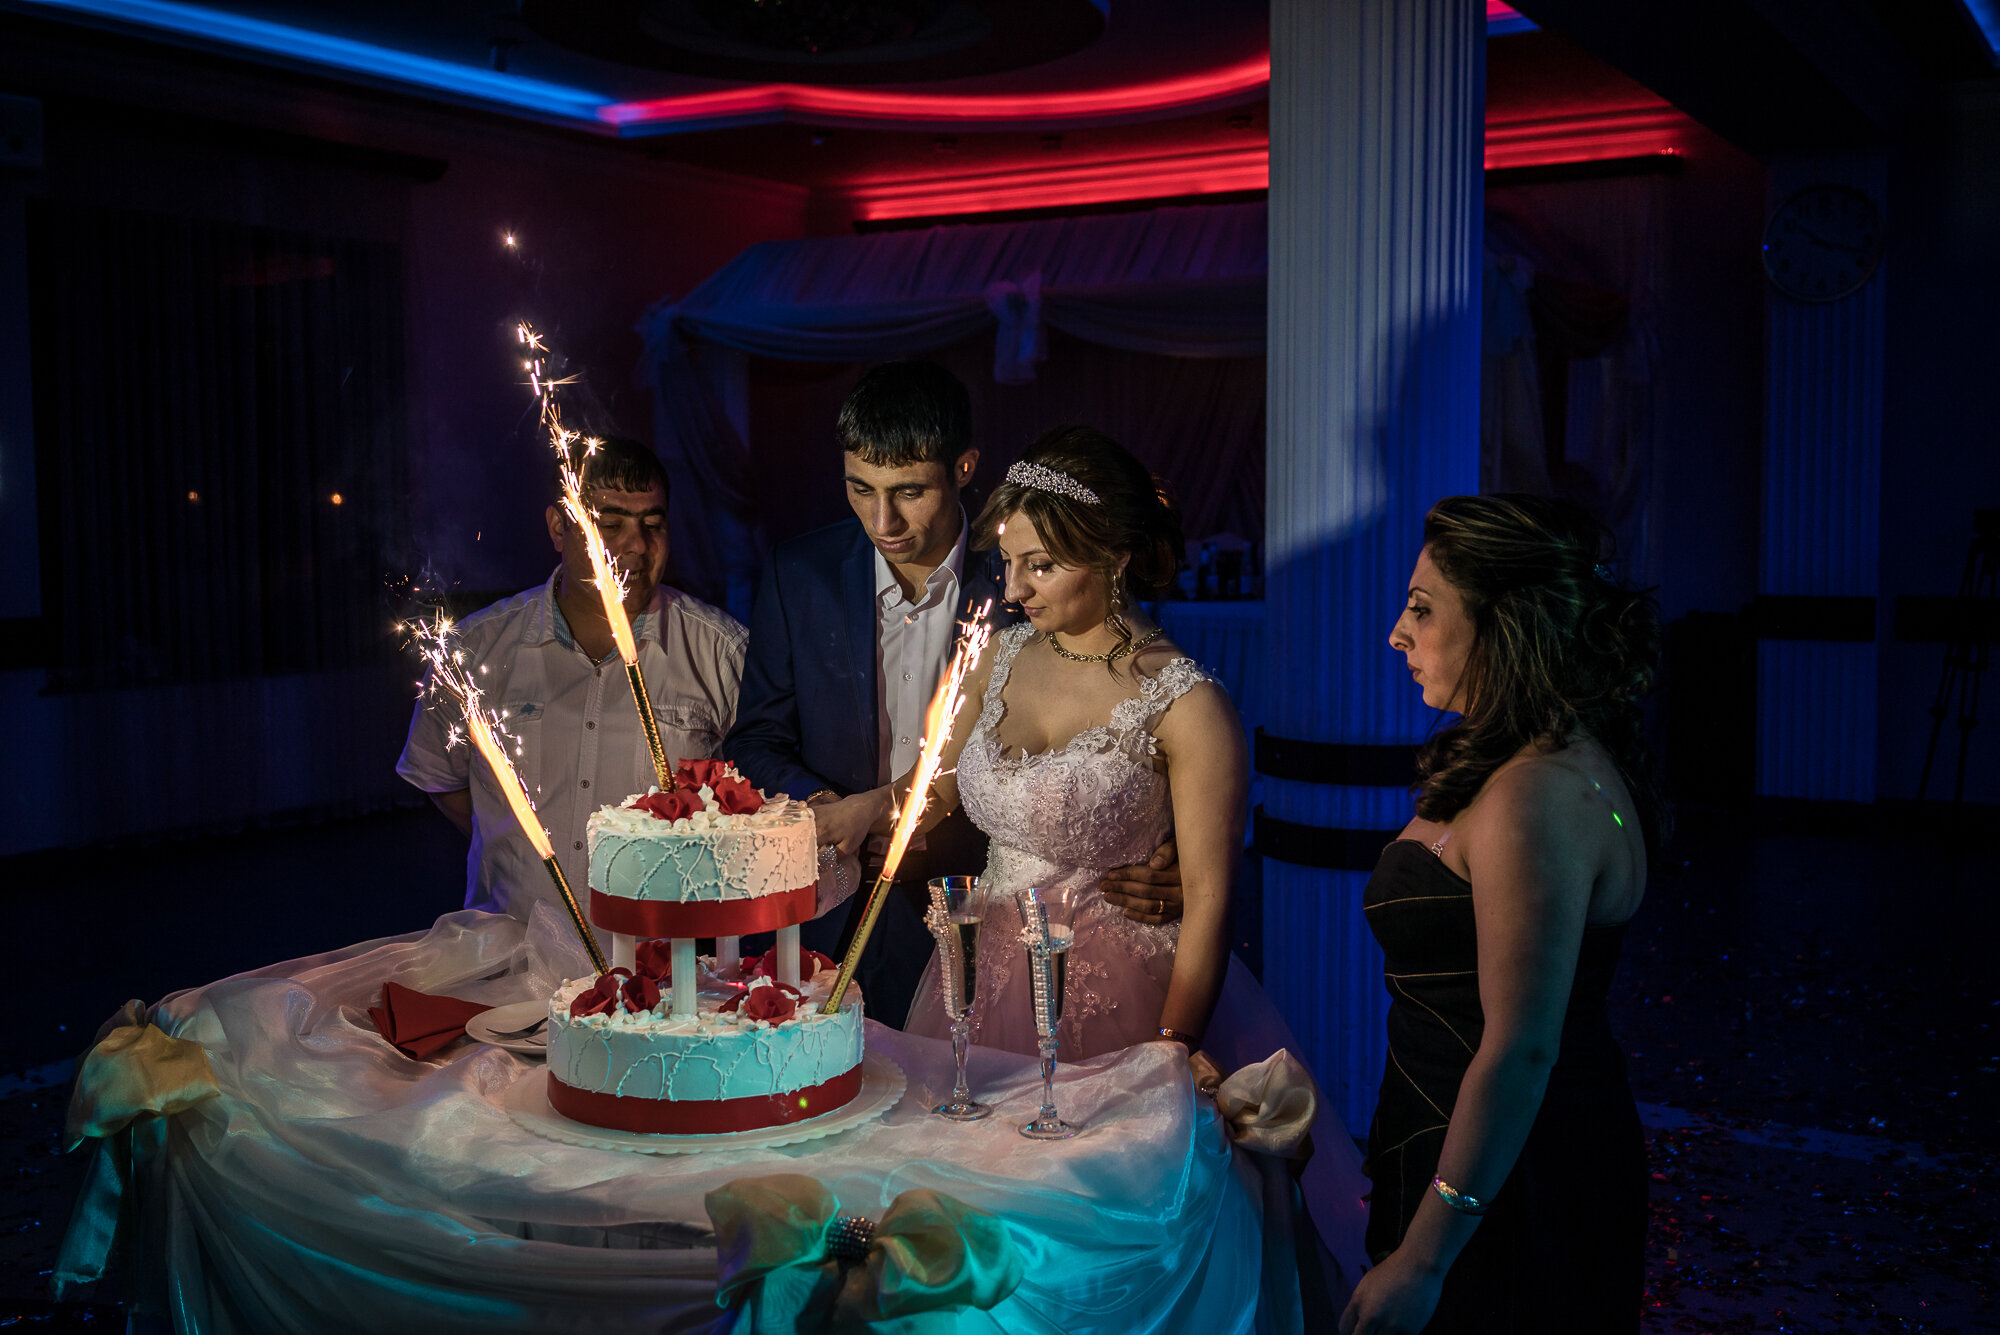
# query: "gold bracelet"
[[1457, 1199]]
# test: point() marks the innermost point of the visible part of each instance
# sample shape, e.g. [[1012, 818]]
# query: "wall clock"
[[1823, 243]]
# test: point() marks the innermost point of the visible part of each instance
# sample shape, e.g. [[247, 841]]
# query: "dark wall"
[[604, 231], [1941, 418]]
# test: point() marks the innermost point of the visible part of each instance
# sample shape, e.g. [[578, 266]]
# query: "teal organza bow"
[[930, 1256]]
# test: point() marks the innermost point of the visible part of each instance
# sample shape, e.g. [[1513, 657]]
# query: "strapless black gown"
[[1562, 1248]]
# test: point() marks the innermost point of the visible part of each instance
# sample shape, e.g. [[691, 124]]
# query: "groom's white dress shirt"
[[915, 638]]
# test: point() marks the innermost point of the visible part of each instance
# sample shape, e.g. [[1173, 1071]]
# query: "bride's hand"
[[1149, 891], [847, 822]]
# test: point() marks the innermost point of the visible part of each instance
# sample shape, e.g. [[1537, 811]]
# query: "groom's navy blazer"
[[806, 718]]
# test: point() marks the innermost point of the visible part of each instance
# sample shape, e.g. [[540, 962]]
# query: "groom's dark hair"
[[903, 413]]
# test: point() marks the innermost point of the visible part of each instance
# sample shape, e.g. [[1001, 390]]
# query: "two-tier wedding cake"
[[733, 1047]]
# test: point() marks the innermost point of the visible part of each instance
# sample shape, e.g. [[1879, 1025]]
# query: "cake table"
[[336, 1184]]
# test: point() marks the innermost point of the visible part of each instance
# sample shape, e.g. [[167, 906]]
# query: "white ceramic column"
[[1373, 413], [681, 961], [788, 955]]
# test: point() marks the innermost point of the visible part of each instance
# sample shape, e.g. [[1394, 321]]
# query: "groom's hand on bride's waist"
[[1148, 891]]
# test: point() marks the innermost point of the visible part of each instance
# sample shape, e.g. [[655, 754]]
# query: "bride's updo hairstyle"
[[1132, 515], [1559, 647]]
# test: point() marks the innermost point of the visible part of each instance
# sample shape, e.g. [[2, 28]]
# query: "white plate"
[[487, 1026], [527, 1102]]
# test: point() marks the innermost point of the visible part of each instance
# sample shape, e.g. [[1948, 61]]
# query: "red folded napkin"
[[419, 1024]]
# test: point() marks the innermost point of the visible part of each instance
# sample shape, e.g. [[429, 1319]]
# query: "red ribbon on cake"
[[708, 917], [701, 1117]]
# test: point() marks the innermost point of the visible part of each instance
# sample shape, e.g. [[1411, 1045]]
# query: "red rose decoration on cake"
[[654, 960], [737, 798], [602, 996], [615, 991], [698, 774], [769, 1002], [669, 806], [641, 994], [766, 964]]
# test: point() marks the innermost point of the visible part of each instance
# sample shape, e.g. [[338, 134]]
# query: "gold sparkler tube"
[[575, 913], [662, 772], [860, 943]]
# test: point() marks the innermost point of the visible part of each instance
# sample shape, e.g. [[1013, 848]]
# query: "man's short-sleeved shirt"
[[580, 744]]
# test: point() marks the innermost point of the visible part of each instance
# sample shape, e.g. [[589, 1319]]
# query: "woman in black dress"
[[1510, 1177]]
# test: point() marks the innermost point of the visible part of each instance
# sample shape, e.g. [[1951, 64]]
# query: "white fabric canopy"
[[1181, 282], [336, 1185]]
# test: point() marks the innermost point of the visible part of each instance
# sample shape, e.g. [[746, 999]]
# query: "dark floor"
[[1809, 1013]]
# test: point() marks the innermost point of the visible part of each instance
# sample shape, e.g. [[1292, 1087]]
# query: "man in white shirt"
[[546, 658]]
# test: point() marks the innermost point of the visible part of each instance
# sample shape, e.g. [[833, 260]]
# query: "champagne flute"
[[1047, 931], [953, 919]]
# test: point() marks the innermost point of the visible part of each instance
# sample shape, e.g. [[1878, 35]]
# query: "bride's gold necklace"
[[1112, 656]]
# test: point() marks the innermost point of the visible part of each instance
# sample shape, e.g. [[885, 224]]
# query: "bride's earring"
[[1116, 621]]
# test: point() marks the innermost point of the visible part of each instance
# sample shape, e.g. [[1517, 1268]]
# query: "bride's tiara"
[[1048, 479]]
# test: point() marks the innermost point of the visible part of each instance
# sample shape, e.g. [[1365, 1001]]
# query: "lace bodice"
[[1096, 802], [1060, 820]]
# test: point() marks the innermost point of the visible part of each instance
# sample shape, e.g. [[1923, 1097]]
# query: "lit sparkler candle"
[[937, 731], [610, 581], [484, 730]]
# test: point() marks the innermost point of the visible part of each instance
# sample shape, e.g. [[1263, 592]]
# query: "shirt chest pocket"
[[689, 728], [522, 740]]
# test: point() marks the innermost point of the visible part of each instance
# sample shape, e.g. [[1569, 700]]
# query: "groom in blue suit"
[[851, 629]]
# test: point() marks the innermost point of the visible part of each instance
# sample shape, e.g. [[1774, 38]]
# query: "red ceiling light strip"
[[854, 106], [1059, 185], [1594, 135]]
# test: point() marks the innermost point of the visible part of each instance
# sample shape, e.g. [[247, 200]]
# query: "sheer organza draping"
[[336, 1185], [1183, 282]]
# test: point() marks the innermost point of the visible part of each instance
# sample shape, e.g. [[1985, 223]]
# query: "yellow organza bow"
[[134, 1076], [1268, 1106], [134, 1070], [931, 1254]]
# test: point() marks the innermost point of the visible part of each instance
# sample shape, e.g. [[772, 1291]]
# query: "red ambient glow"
[[855, 106], [1591, 134]]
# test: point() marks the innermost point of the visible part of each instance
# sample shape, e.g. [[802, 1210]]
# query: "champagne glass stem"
[[1048, 1112], [961, 1039]]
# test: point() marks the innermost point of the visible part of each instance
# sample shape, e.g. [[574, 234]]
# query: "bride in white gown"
[[1085, 738]]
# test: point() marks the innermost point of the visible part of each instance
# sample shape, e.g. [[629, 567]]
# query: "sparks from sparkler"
[[605, 574], [486, 730], [937, 732]]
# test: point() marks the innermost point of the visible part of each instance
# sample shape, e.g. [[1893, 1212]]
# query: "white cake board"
[[527, 1102]]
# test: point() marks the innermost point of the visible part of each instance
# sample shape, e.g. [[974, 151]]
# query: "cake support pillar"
[[624, 950], [728, 954], [788, 955], [683, 975]]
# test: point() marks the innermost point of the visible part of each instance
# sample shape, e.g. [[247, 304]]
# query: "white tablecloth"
[[337, 1185]]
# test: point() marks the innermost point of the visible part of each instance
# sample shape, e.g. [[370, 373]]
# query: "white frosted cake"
[[736, 863], [734, 1048], [714, 1072]]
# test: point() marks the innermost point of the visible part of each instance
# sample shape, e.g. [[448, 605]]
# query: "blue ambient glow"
[[222, 28], [1986, 13]]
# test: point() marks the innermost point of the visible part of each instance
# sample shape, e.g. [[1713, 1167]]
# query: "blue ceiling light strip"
[[1503, 25], [1985, 15], [218, 28]]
